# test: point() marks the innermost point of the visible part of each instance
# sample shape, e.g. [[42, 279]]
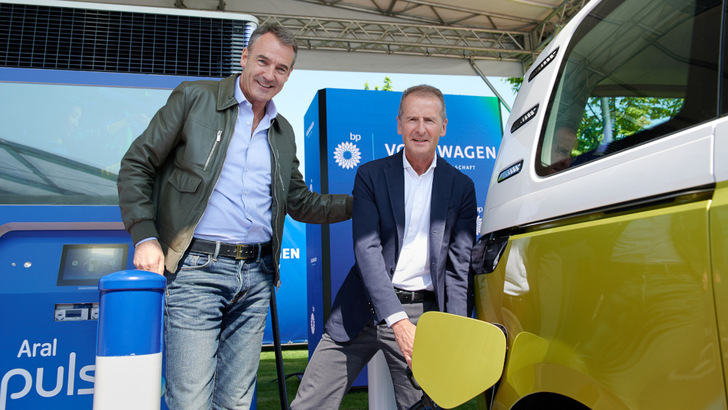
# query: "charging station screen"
[[86, 264]]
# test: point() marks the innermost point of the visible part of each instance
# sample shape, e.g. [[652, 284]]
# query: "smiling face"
[[266, 68], [421, 126]]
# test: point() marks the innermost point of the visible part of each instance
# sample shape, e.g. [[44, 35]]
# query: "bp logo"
[[347, 155]]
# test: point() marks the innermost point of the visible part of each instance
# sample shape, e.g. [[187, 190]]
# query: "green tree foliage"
[[515, 82], [628, 115], [387, 86]]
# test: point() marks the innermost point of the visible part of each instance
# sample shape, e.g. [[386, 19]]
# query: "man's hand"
[[404, 334], [148, 256]]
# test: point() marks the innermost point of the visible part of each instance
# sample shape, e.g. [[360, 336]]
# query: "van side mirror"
[[487, 252]]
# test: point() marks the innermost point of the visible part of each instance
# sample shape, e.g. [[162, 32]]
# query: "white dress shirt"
[[413, 266]]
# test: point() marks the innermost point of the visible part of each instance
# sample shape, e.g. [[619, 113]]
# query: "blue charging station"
[[52, 260], [60, 225], [346, 128]]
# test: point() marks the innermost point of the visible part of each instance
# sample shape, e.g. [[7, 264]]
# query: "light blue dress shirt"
[[239, 209]]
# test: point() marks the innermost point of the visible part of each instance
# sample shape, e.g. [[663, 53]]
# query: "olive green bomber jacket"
[[169, 172]]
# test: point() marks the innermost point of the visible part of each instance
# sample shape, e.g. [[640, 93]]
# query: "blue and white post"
[[129, 346]]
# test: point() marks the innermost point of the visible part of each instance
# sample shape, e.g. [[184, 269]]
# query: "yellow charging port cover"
[[456, 358]]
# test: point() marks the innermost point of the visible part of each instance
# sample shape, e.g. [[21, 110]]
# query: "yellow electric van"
[[603, 262]]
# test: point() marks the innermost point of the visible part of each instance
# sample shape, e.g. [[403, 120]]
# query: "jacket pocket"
[[184, 181], [201, 143]]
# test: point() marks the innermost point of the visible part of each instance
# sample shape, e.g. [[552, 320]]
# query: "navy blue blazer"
[[378, 228]]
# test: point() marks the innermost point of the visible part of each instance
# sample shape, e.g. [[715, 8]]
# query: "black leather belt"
[[414, 296], [230, 250]]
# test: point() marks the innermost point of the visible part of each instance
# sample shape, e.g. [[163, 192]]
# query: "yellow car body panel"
[[619, 304], [719, 277]]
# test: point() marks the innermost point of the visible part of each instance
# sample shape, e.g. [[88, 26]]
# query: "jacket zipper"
[[212, 151]]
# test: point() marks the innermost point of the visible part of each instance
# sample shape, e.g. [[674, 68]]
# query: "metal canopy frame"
[[494, 37], [501, 37], [457, 37], [516, 33]]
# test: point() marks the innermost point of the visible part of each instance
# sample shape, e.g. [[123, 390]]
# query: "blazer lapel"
[[441, 183], [394, 178]]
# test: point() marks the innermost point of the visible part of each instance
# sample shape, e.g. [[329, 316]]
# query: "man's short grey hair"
[[283, 35], [424, 90]]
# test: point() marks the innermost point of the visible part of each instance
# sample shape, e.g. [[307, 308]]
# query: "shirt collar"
[[270, 108], [408, 166]]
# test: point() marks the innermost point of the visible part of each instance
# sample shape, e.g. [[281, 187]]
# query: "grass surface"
[[294, 361]]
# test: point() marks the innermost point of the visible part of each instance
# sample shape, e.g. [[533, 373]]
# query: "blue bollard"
[[129, 344]]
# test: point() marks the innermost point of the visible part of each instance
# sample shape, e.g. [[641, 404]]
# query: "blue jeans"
[[214, 316]]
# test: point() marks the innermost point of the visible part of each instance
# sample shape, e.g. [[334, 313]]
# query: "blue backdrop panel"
[[291, 295], [345, 128]]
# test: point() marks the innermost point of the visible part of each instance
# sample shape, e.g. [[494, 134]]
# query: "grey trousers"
[[334, 366]]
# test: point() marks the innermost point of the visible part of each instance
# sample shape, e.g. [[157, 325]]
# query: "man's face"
[[266, 67], [421, 126]]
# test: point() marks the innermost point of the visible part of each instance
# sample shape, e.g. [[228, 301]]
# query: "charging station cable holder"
[[129, 344]]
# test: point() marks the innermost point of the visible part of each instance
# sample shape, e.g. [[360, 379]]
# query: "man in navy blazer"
[[413, 222]]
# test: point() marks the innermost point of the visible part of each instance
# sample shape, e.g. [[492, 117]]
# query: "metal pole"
[[497, 94], [279, 355]]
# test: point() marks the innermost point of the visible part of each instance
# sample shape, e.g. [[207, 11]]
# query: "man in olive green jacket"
[[204, 192]]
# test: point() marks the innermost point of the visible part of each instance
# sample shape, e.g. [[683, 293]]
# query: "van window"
[[633, 71]]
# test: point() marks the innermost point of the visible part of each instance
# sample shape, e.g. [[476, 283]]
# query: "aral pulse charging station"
[[60, 226], [345, 128], [78, 82]]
